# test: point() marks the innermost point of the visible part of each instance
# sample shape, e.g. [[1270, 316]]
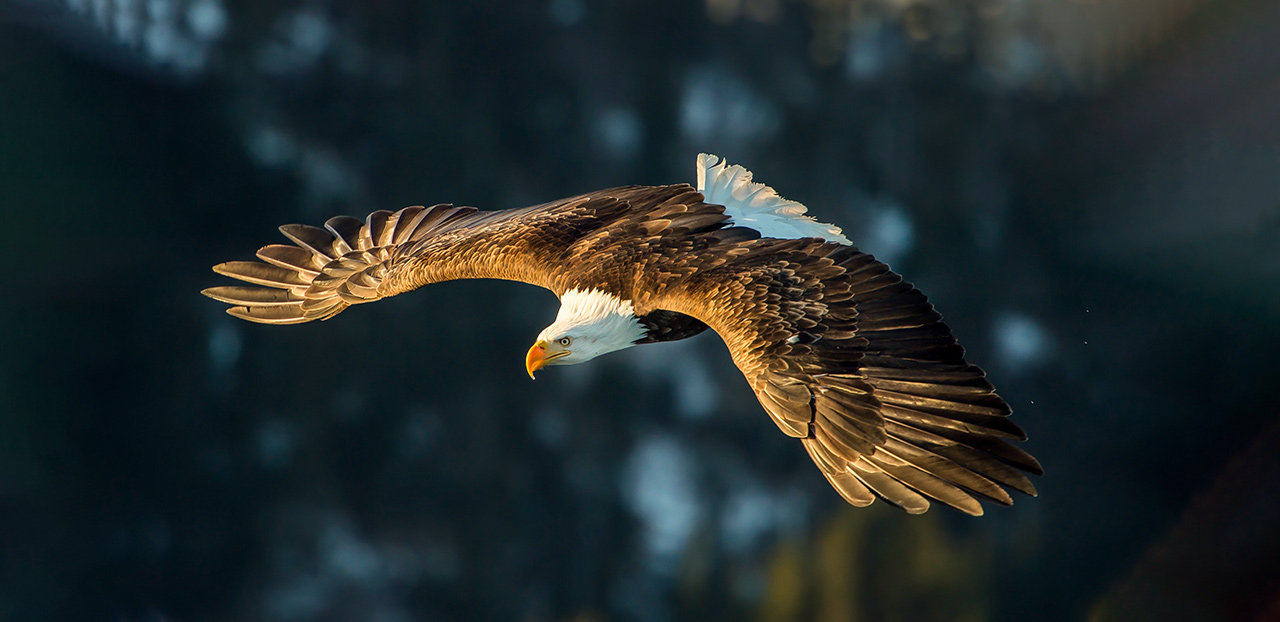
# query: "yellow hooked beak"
[[537, 358]]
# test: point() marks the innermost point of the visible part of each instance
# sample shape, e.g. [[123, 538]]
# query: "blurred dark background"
[[1089, 191]]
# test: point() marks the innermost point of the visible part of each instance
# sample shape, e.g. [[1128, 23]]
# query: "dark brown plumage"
[[841, 352]]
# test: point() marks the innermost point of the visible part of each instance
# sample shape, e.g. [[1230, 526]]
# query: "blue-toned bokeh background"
[[1088, 191]]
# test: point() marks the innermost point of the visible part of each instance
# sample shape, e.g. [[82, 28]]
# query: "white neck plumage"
[[614, 315]]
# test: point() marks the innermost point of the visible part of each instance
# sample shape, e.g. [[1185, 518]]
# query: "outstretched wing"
[[845, 355], [349, 262]]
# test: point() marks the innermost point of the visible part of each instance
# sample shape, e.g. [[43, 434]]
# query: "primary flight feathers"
[[840, 351]]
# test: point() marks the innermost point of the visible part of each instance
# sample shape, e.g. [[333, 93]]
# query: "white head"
[[590, 323]]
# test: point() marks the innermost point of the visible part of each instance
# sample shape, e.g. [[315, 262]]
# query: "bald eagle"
[[840, 351]]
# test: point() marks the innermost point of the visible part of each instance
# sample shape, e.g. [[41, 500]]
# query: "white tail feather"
[[756, 205]]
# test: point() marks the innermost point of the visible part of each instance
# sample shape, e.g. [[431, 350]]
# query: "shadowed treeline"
[[1091, 211]]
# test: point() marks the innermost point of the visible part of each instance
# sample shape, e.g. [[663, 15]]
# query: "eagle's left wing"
[[845, 355]]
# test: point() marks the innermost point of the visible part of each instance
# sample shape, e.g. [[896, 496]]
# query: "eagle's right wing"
[[349, 262]]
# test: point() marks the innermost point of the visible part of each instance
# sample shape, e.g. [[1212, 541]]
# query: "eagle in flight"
[[840, 351]]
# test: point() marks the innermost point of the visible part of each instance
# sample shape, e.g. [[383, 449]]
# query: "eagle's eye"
[[565, 341]]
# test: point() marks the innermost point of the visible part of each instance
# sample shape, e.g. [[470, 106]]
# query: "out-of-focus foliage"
[[1039, 45], [1087, 191], [863, 565]]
